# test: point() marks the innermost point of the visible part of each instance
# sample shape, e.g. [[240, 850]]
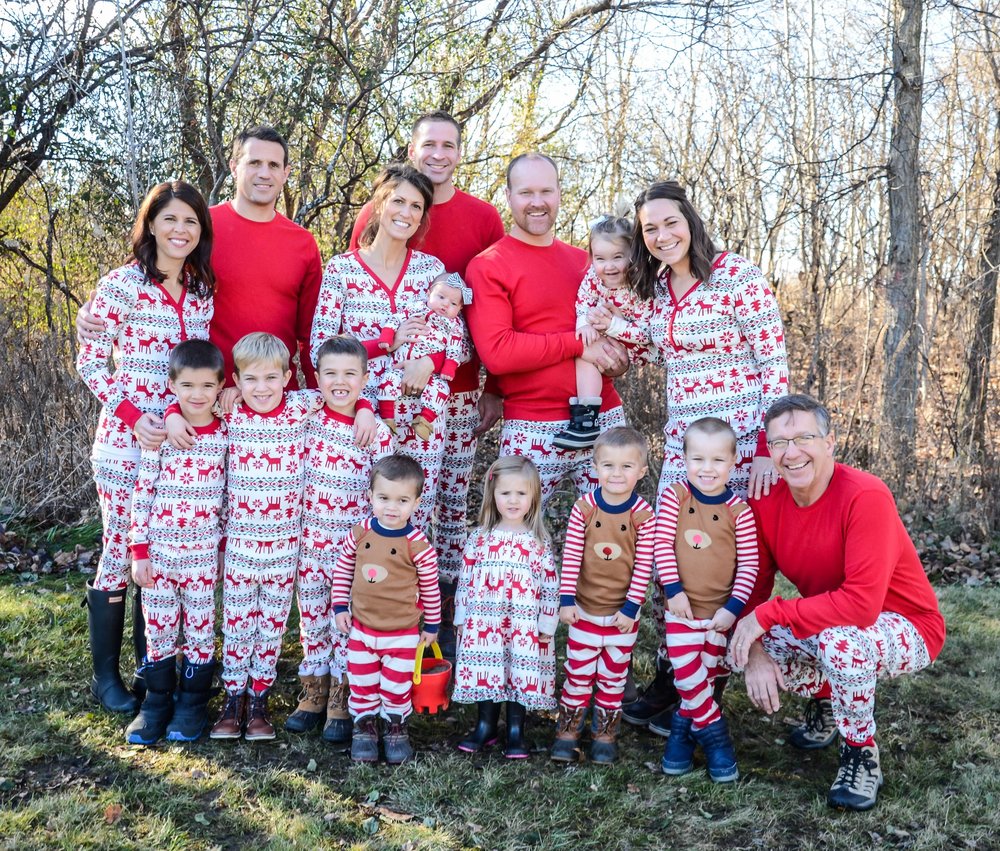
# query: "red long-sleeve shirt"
[[849, 556], [523, 325], [267, 279]]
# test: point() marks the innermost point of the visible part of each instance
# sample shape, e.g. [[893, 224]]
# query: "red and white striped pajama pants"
[[697, 655], [451, 529], [534, 440], [256, 598], [596, 652], [380, 671], [851, 660], [183, 587]]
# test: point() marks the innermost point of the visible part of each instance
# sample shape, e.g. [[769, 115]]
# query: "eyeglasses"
[[799, 440]]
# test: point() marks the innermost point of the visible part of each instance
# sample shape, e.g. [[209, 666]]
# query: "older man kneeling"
[[867, 610]]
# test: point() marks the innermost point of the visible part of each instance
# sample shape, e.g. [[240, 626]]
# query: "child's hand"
[[428, 638], [623, 622], [599, 318], [180, 434], [569, 614], [344, 622], [149, 431], [365, 426], [142, 572], [722, 620], [228, 399], [543, 638], [680, 607], [588, 335]]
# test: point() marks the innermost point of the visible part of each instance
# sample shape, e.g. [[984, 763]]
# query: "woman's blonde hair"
[[517, 465]]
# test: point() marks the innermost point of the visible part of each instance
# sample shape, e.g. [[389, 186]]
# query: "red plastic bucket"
[[430, 681]]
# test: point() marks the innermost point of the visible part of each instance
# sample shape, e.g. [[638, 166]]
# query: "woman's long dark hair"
[[388, 179], [644, 267], [198, 262]]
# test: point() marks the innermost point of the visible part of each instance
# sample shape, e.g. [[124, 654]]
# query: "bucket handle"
[[418, 667]]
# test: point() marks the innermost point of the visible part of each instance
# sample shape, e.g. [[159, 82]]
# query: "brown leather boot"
[[603, 745], [259, 726], [566, 747], [312, 703], [231, 718]]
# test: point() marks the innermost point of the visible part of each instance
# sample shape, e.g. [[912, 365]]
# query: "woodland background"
[[851, 149]]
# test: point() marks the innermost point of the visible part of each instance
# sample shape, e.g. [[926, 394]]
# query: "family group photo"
[[516, 425]]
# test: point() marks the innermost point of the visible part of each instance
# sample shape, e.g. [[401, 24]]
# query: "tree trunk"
[[901, 344]]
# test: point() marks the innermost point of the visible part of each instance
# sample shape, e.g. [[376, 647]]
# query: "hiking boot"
[[311, 710], [148, 727], [604, 741], [516, 747], [566, 747], [194, 690], [660, 698], [630, 694], [858, 778], [485, 732], [718, 748], [106, 622], [337, 730], [678, 753], [819, 728], [396, 741], [364, 741], [259, 726], [232, 718], [583, 428]]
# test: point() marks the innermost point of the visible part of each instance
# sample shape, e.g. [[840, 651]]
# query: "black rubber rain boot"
[[194, 691], [516, 747], [106, 622], [485, 732]]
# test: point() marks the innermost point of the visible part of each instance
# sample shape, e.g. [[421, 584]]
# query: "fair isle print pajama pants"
[[380, 671], [596, 652], [115, 476], [324, 647], [851, 660], [256, 598], [427, 453], [534, 440], [183, 588], [451, 530], [433, 397], [697, 655]]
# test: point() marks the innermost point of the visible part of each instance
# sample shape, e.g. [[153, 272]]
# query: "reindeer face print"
[[608, 550], [697, 539]]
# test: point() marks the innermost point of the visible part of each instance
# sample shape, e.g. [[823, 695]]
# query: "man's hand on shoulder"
[[88, 328]]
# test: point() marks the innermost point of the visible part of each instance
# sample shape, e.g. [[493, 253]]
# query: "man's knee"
[[842, 650]]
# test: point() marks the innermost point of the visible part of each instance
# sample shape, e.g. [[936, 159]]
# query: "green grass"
[[65, 770]]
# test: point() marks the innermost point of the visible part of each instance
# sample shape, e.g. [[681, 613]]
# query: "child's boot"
[[396, 741], [193, 692], [657, 703], [311, 710], [719, 754], [338, 720], [566, 747], [364, 741], [106, 622], [604, 741], [485, 732], [148, 727], [232, 717], [138, 644], [583, 427], [678, 753], [259, 726], [516, 747]]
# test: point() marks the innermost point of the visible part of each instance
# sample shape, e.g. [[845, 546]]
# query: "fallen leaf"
[[632, 789], [202, 819], [112, 813], [370, 826], [392, 815], [311, 766]]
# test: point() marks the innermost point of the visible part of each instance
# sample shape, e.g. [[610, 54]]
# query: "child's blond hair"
[[517, 465], [260, 347], [710, 427], [622, 437]]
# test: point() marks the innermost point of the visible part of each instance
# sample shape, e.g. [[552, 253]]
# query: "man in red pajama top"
[[267, 268], [459, 226], [523, 324], [867, 610]]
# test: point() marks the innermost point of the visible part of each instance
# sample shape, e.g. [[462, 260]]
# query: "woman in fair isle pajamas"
[[718, 330], [362, 289], [163, 296]]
